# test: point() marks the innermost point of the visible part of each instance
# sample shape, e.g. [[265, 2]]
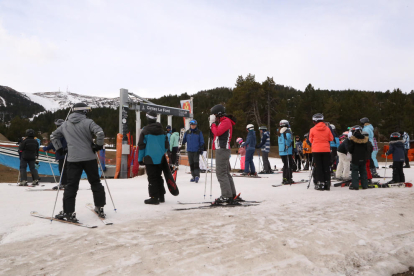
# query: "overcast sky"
[[156, 47]]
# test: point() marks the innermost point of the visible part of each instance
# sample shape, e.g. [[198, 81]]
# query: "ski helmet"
[[284, 123], [81, 108], [263, 128], [306, 135], [332, 126], [59, 122], [151, 116], [364, 120], [239, 140], [356, 129], [218, 110], [297, 137], [250, 127], [343, 136], [168, 127], [318, 117], [395, 136], [30, 132], [193, 122]]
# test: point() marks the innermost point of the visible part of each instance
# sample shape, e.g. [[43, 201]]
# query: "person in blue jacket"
[[153, 144], [249, 168], [398, 157], [367, 127], [334, 149], [195, 146], [285, 143], [60, 157]]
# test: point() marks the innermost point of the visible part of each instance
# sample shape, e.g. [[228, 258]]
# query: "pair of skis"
[[297, 182], [89, 206]]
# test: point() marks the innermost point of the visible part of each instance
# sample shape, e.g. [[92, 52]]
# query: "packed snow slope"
[[294, 231]]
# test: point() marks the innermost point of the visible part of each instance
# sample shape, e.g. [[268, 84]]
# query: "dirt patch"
[[8, 175], [3, 138], [409, 272]]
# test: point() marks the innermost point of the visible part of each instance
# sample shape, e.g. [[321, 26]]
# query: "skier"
[[367, 127], [334, 149], [249, 168], [153, 144], [60, 158], [307, 151], [222, 129], [320, 137], [78, 131], [358, 147], [242, 152], [265, 148], [406, 141], [367, 164], [285, 151], [175, 136], [29, 149], [195, 144], [298, 152], [342, 170], [398, 157]]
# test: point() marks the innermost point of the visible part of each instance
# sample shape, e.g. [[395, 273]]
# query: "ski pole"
[[205, 182], [58, 188], [70, 109], [100, 165], [211, 172], [236, 162], [50, 166], [386, 161], [310, 178], [259, 160]]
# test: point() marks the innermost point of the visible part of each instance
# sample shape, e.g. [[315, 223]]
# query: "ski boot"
[[407, 167], [23, 183], [192, 179], [252, 174], [391, 182], [291, 181], [161, 199], [152, 200], [320, 186], [71, 217], [238, 198], [327, 186], [220, 200], [352, 188], [196, 179], [231, 201], [100, 211], [263, 172], [35, 183]]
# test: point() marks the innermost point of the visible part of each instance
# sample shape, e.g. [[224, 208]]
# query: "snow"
[[4, 101], [48, 104], [294, 231]]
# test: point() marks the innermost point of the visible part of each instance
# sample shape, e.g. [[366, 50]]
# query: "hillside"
[[11, 103]]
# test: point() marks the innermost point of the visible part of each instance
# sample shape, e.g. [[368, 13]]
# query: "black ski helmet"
[[318, 117], [30, 132], [395, 136], [218, 110], [364, 120], [81, 108], [59, 122], [151, 116]]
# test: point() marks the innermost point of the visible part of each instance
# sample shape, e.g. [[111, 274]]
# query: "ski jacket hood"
[[78, 131], [359, 149], [397, 151], [320, 136], [359, 140]]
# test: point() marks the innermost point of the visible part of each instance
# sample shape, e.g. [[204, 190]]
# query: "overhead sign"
[[159, 109]]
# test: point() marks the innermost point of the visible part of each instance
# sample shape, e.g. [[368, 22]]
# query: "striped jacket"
[[265, 142], [223, 132]]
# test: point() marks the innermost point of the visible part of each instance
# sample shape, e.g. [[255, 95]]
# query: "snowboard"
[[169, 178]]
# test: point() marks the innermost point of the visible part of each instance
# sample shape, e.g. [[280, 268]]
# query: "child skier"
[[265, 148], [175, 136], [358, 147], [249, 168], [398, 157], [342, 170], [29, 149], [298, 152], [285, 151], [307, 151], [242, 152], [367, 164]]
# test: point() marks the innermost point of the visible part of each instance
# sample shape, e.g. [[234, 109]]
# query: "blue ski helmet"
[[193, 122]]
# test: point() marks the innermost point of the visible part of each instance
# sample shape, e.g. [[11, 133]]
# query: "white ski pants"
[[344, 164]]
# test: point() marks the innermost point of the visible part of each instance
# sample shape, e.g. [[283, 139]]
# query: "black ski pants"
[[194, 160], [266, 163], [407, 161], [397, 171], [359, 172], [173, 159], [287, 166], [298, 161], [155, 180], [23, 169], [322, 161], [74, 175], [64, 173], [334, 156], [308, 161]]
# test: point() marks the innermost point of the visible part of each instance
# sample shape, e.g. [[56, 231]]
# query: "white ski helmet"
[[332, 126], [317, 117], [250, 127], [284, 123]]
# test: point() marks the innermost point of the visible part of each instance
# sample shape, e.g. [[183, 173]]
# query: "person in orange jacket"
[[307, 151], [320, 137]]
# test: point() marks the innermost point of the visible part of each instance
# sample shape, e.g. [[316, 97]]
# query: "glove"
[[141, 163], [200, 151], [45, 149], [212, 119], [96, 147]]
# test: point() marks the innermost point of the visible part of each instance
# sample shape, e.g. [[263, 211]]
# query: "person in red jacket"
[[320, 137], [222, 129]]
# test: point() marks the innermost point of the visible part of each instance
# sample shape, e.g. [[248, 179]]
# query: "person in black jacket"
[[342, 170], [29, 149], [358, 147], [398, 157]]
